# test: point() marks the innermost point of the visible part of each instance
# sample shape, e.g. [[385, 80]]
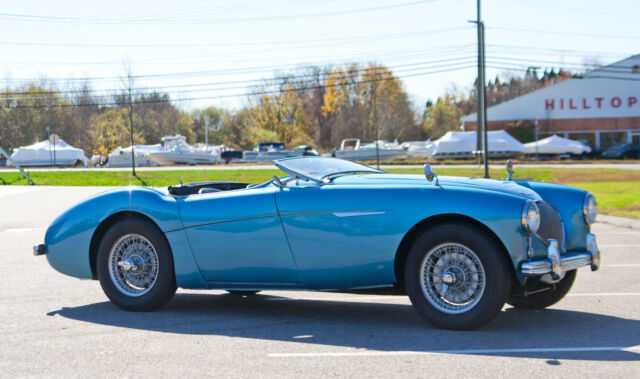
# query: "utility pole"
[[536, 139], [47, 128], [133, 156], [481, 123], [206, 132], [375, 124]]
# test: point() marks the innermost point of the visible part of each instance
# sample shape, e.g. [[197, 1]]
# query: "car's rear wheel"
[[135, 266], [457, 277], [548, 295]]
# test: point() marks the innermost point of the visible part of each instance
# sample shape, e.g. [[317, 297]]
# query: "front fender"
[[568, 202], [68, 238]]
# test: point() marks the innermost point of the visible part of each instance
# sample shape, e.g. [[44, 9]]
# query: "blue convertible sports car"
[[459, 247]]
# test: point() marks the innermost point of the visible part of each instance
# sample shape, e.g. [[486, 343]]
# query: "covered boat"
[[556, 145], [352, 150], [269, 151], [121, 157], [463, 145], [419, 149], [49, 154], [178, 151]]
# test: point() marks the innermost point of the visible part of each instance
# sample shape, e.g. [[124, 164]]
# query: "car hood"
[[504, 186]]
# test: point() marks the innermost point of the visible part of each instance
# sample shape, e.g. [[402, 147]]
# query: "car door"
[[236, 237], [340, 236]]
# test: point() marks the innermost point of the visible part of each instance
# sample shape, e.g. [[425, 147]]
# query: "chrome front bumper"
[[39, 249], [557, 265]]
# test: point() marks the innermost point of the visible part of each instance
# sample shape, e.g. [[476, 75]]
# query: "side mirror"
[[510, 171], [429, 174]]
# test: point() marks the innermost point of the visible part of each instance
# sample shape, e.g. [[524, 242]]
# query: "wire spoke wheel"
[[452, 278], [133, 265]]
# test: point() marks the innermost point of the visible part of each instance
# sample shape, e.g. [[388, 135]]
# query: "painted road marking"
[[606, 294], [17, 191], [18, 230], [610, 246], [381, 298], [635, 348]]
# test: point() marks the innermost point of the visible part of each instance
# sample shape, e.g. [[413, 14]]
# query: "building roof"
[[607, 92]]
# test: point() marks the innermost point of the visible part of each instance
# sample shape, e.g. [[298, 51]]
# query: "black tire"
[[497, 277], [160, 291], [243, 293], [546, 298]]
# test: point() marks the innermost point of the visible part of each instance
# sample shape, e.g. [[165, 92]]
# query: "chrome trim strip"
[[356, 214]]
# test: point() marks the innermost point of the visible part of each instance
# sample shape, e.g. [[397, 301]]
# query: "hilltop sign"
[[589, 103]]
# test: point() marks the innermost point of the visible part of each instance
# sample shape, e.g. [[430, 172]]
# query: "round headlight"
[[530, 217], [590, 209]]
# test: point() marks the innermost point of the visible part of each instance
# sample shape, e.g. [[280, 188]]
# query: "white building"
[[600, 109]]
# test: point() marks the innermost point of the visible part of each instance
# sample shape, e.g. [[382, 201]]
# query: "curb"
[[619, 221]]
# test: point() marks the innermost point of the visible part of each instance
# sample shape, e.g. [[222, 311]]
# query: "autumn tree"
[[442, 117], [367, 103], [110, 129], [27, 110]]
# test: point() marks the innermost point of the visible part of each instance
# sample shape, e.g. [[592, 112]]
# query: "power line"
[[233, 44], [585, 35], [255, 93], [197, 21], [241, 70], [286, 77]]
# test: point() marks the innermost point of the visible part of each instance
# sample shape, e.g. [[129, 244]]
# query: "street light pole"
[[133, 156]]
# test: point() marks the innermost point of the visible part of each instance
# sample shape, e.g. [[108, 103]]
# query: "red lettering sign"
[[632, 100], [599, 101], [571, 106], [584, 104], [548, 104], [616, 102]]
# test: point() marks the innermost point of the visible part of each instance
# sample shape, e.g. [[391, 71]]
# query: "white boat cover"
[[465, 143], [41, 154], [557, 145], [419, 149], [121, 156]]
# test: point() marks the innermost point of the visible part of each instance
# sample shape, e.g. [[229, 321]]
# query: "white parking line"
[[630, 265], [610, 246], [635, 348], [361, 298], [18, 230], [606, 294], [382, 298]]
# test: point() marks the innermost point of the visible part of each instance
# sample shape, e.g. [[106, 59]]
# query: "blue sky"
[[216, 48]]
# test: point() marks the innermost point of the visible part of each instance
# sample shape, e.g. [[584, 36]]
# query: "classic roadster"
[[459, 247]]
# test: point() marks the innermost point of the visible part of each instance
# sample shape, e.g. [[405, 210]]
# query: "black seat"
[[208, 190]]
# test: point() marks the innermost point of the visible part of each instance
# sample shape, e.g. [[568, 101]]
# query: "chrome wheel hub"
[[452, 278], [133, 265]]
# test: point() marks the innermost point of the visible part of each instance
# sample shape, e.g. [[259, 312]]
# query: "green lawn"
[[617, 191]]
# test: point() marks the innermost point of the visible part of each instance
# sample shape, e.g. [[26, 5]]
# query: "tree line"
[[317, 106]]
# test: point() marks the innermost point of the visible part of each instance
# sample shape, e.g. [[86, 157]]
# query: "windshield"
[[318, 168]]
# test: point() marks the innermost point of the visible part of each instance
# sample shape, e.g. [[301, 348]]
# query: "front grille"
[[550, 223]]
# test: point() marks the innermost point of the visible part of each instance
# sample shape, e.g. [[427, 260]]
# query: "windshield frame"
[[281, 164]]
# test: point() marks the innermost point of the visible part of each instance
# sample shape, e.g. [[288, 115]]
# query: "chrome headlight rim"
[[589, 208], [525, 220]]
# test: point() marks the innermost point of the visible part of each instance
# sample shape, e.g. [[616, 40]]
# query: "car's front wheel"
[[457, 277], [545, 295], [135, 267]]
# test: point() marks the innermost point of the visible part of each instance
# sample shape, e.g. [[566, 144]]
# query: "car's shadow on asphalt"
[[374, 326]]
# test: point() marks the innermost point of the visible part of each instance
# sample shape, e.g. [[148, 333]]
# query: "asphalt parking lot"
[[53, 325]]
